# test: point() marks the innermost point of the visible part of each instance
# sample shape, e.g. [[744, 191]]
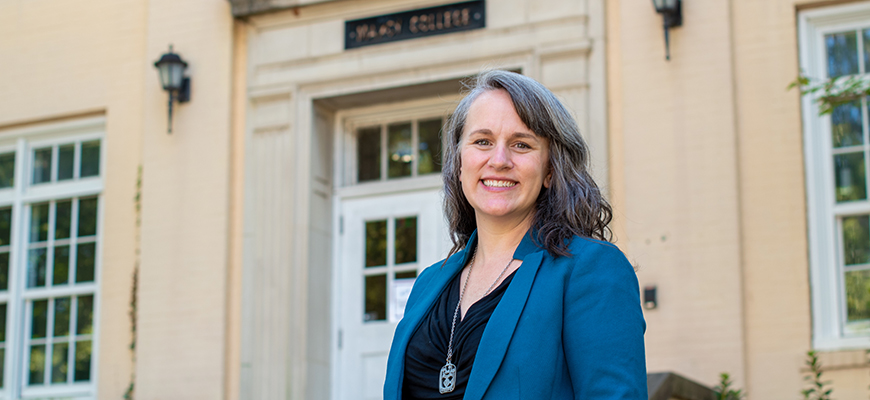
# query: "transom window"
[[50, 185], [399, 149]]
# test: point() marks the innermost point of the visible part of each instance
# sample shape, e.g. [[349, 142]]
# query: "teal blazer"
[[566, 328]]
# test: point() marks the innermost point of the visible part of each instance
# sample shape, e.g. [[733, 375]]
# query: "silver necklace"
[[447, 379]]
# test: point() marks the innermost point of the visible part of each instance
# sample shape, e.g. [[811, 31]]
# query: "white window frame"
[[19, 197], [823, 214], [346, 152]]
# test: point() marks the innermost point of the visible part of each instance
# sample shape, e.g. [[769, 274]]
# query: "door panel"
[[386, 241]]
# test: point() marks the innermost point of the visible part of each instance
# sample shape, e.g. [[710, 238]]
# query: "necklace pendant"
[[447, 380]]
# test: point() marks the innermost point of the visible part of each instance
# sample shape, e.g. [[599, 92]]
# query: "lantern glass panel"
[[176, 72], [664, 5]]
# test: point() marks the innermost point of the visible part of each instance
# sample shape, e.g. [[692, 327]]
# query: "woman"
[[533, 302]]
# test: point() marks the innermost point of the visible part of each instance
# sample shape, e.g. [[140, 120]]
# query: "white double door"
[[386, 240]]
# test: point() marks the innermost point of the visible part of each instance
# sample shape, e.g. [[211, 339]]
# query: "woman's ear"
[[547, 179]]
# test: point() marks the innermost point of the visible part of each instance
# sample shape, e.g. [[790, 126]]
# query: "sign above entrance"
[[415, 24]]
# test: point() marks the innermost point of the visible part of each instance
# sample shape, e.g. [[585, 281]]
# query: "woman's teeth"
[[495, 183]]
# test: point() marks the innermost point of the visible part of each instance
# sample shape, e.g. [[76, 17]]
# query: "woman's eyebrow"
[[525, 135]]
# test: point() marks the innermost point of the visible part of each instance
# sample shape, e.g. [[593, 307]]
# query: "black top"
[[427, 348]]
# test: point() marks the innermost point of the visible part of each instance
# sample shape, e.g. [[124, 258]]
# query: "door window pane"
[[7, 170], [399, 150], [59, 362], [850, 176], [406, 275], [857, 295], [406, 240], [429, 148], [42, 165], [83, 361], [376, 243], [90, 159], [846, 125], [65, 160], [368, 147], [37, 365], [376, 298], [842, 52]]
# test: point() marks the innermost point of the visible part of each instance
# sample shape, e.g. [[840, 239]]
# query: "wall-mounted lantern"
[[171, 68], [672, 13]]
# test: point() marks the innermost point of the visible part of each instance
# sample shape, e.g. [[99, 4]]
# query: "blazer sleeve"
[[603, 326]]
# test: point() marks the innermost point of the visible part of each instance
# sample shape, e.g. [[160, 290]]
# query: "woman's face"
[[503, 163]]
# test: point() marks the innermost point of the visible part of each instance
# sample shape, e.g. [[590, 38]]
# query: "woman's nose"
[[500, 157]]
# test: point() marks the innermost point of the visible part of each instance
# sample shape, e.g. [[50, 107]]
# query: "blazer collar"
[[503, 322], [501, 325]]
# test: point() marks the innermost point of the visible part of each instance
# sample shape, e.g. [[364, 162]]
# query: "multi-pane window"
[[835, 44], [61, 252], [390, 259], [398, 149], [49, 265]]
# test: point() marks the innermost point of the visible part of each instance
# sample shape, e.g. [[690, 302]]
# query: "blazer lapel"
[[421, 308], [500, 328]]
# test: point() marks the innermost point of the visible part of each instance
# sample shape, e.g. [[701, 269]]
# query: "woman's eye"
[[523, 146], [483, 142]]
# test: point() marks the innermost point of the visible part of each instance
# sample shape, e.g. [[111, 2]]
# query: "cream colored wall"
[[181, 352], [73, 59], [707, 166], [66, 60]]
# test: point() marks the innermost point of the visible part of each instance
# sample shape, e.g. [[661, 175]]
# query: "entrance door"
[[387, 240]]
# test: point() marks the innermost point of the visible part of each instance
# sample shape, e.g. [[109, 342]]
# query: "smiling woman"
[[533, 302]]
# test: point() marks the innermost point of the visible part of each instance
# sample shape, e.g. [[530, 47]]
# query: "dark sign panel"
[[414, 24]]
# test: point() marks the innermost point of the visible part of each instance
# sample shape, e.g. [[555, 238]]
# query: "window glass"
[[846, 125], [850, 176], [369, 154], [399, 144], [429, 149], [7, 170], [42, 165], [65, 162], [842, 51], [90, 159]]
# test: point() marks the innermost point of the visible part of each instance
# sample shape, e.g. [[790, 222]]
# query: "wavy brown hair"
[[572, 205]]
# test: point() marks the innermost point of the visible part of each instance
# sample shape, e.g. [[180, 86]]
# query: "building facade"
[[263, 248]]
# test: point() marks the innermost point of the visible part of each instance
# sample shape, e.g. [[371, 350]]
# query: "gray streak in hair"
[[572, 205]]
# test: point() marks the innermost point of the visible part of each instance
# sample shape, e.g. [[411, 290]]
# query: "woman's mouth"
[[498, 183]]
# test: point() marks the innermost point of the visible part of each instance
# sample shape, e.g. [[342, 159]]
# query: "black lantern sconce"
[[672, 13], [171, 68], [649, 297]]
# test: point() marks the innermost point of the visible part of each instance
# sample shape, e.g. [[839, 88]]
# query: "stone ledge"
[[245, 8], [669, 386]]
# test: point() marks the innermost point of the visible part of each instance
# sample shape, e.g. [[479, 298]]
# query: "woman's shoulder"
[[585, 246], [598, 256]]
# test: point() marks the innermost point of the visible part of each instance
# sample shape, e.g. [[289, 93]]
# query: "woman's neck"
[[497, 240]]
